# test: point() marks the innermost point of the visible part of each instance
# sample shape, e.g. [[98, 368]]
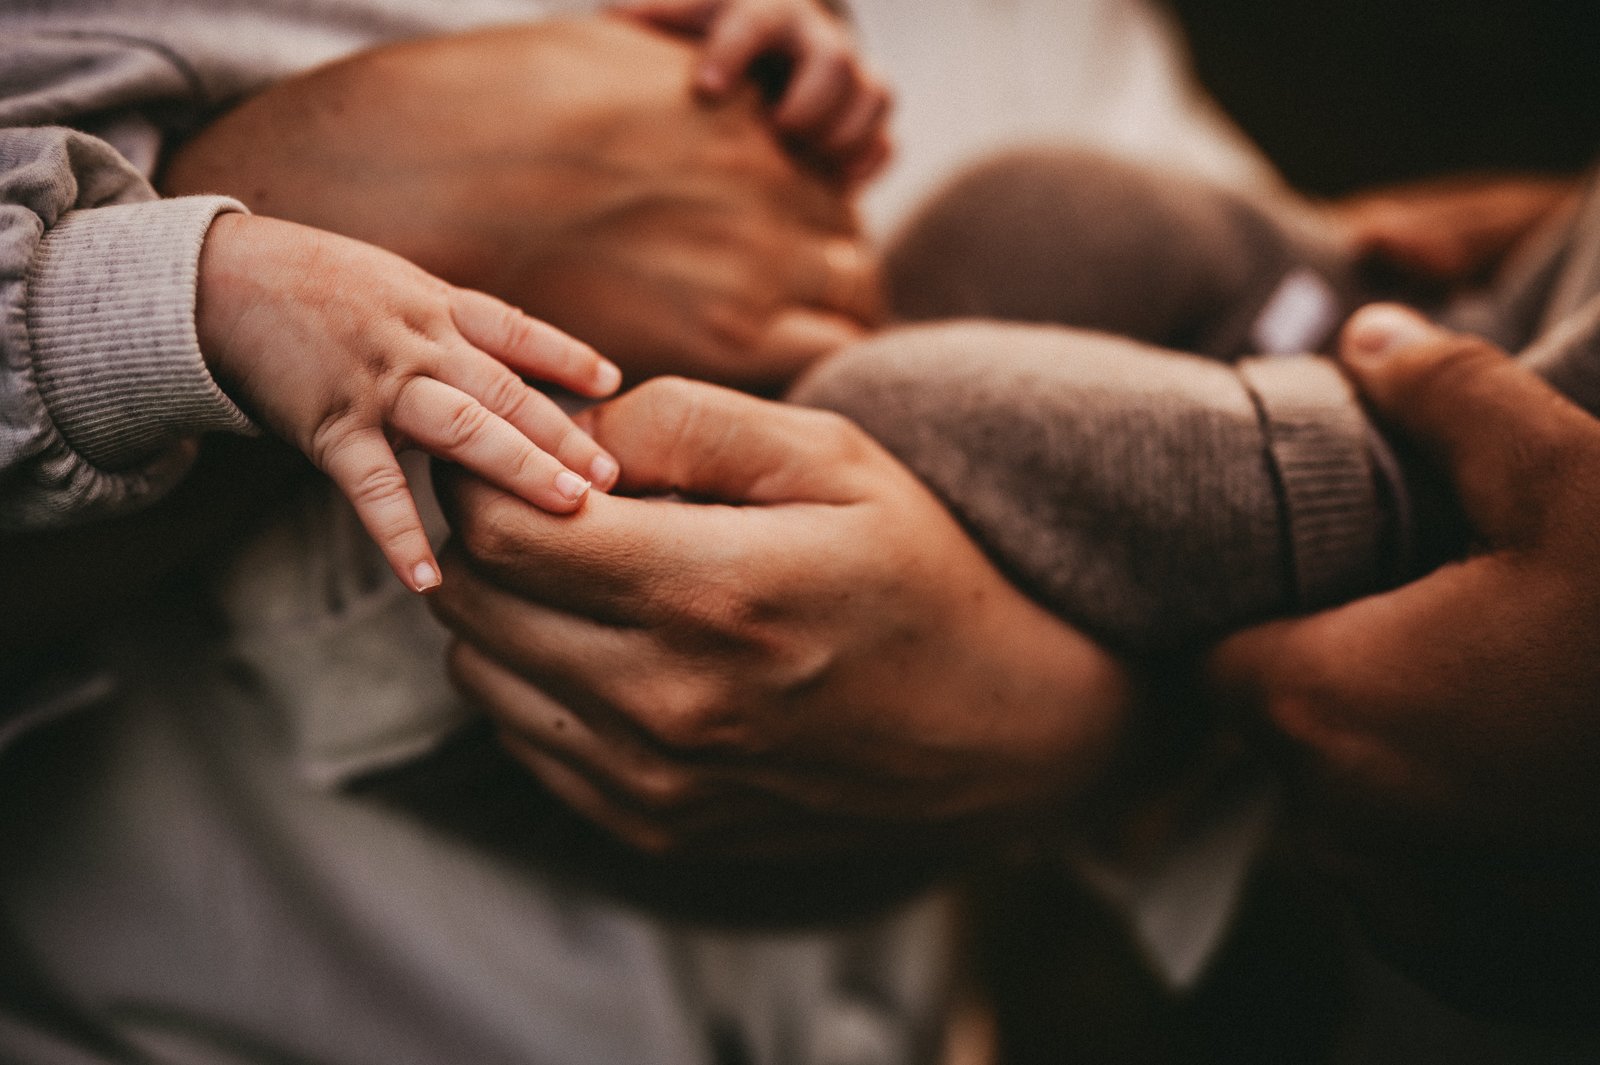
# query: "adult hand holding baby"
[[811, 657], [568, 169], [1446, 731], [1464, 699]]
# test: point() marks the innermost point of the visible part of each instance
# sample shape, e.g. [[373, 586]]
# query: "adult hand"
[[1450, 232], [1448, 729], [568, 169], [1465, 700], [809, 655]]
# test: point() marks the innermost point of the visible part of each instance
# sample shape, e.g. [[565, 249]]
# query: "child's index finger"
[[364, 467], [531, 347], [733, 41]]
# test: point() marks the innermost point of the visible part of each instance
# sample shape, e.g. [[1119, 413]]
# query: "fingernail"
[[1377, 331], [603, 471], [424, 577], [570, 485], [607, 377]]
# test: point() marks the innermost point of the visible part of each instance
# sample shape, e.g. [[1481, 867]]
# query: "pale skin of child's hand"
[[832, 105], [351, 353]]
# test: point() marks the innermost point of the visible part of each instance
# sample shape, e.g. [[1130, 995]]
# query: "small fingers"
[[531, 412], [450, 424], [824, 84], [870, 160], [686, 16], [363, 465], [859, 124], [736, 38], [532, 347]]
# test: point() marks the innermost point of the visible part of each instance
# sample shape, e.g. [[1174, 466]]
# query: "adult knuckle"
[[838, 436], [714, 608], [667, 392], [667, 789], [679, 719], [488, 533], [686, 715]]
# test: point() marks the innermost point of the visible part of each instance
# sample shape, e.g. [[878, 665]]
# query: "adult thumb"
[[1501, 433], [708, 442]]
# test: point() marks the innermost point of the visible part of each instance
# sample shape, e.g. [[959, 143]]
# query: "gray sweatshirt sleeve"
[[102, 386]]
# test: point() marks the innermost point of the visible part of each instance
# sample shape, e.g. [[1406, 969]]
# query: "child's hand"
[[832, 104], [350, 353]]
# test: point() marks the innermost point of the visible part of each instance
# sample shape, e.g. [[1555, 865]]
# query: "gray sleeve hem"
[[110, 312], [1317, 439]]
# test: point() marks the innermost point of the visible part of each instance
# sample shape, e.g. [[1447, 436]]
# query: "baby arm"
[[1152, 498], [349, 352], [830, 103]]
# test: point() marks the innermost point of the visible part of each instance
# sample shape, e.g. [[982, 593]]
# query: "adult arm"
[[569, 169], [809, 655], [1450, 232], [1446, 732]]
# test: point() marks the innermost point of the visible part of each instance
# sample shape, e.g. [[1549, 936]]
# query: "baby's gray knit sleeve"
[[102, 386], [1154, 499]]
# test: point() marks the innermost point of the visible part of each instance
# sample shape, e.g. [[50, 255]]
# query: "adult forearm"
[[591, 189]]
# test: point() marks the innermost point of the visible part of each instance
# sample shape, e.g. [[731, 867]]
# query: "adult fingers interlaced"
[[614, 757], [656, 801]]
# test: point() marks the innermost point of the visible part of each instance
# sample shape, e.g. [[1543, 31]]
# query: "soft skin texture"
[[829, 103], [349, 352], [670, 233], [1446, 729], [810, 656]]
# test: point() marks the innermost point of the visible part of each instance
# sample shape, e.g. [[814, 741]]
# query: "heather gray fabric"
[[1159, 499], [1136, 492], [102, 387], [192, 871], [1075, 237]]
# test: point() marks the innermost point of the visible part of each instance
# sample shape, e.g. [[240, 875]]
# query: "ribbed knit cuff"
[[1317, 439], [110, 310]]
